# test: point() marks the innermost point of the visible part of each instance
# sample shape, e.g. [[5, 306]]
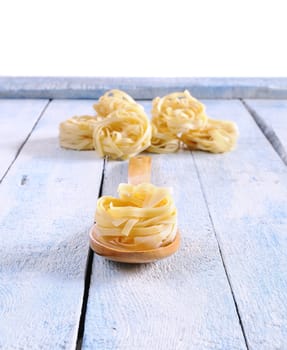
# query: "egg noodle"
[[217, 136], [77, 133], [112, 101], [143, 217], [121, 129], [180, 118], [123, 134]]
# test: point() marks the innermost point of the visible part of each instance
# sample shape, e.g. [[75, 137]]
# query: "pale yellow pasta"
[[123, 134], [120, 129], [143, 217], [179, 111], [111, 101], [163, 141], [179, 119], [217, 137], [77, 133], [173, 115]]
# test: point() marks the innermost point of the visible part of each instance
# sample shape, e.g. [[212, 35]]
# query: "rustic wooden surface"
[[47, 202], [271, 116], [224, 289], [246, 196], [18, 118]]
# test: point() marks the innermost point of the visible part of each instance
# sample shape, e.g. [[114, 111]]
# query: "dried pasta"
[[77, 133], [172, 116], [123, 134], [143, 217], [119, 130], [217, 137], [163, 141], [179, 118], [111, 101], [179, 112]]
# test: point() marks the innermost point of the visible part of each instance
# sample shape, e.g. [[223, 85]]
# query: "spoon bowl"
[[133, 257]]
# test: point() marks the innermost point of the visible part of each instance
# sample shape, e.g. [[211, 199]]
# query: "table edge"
[[142, 88]]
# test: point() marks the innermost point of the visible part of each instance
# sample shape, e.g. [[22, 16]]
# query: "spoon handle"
[[139, 170]]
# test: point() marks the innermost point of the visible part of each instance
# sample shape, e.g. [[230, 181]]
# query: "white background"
[[143, 38]]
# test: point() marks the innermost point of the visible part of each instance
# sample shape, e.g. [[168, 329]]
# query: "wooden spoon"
[[139, 172]]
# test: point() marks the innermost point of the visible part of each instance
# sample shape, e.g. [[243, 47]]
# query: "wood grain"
[[44, 236], [182, 302], [246, 193], [271, 116], [141, 88], [17, 118]]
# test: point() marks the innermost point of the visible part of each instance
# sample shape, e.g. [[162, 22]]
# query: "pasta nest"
[[217, 137], [173, 115], [143, 217], [123, 134], [178, 112], [179, 118], [77, 133], [120, 129], [112, 101]]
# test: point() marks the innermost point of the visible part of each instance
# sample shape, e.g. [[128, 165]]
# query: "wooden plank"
[[246, 192], [47, 204], [271, 116], [17, 118], [182, 302], [142, 88]]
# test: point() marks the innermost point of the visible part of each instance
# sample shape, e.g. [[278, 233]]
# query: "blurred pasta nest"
[[77, 133], [180, 118], [120, 129], [123, 134], [112, 101]]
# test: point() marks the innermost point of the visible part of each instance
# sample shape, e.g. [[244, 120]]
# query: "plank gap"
[[25, 140], [88, 274], [220, 252], [268, 132]]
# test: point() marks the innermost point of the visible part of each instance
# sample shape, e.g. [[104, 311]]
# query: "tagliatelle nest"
[[77, 133], [123, 134], [112, 101], [143, 217], [172, 115], [217, 137], [180, 118], [120, 129], [179, 111]]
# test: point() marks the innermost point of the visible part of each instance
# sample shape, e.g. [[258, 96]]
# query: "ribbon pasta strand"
[[143, 217]]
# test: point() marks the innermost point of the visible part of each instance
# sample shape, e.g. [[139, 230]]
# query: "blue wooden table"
[[226, 288]]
